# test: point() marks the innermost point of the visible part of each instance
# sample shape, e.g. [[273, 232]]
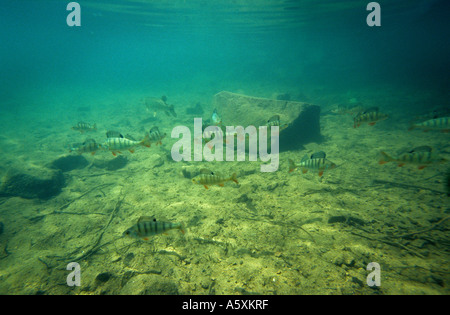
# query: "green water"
[[271, 233]]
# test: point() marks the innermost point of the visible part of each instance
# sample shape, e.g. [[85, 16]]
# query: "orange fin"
[[92, 153], [205, 186], [304, 171], [234, 178], [131, 150], [372, 123], [320, 173], [421, 167], [114, 153], [221, 185], [401, 164]]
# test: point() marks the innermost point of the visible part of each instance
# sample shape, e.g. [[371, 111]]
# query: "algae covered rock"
[[302, 119], [39, 183]]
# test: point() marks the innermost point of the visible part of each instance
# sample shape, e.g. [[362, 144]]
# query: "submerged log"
[[302, 119]]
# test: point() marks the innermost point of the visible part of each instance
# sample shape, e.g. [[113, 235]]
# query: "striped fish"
[[370, 116], [116, 145], [159, 104], [421, 156], [148, 226], [84, 127], [156, 136], [275, 121], [441, 123], [88, 146], [317, 162], [207, 178]]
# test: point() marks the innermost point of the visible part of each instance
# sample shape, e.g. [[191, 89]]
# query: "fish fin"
[[93, 153], [421, 167], [320, 173], [411, 127], [319, 155], [445, 130], [160, 142], [424, 148], [146, 141], [304, 158], [155, 128], [292, 166], [401, 164], [234, 178], [145, 238], [205, 186], [372, 123], [385, 158], [131, 150], [114, 153], [304, 171], [221, 185]]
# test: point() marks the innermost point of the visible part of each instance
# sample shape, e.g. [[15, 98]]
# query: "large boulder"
[[39, 183], [242, 110]]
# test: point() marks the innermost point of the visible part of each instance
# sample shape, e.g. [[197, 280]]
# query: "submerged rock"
[[242, 110], [69, 162], [103, 277], [39, 183]]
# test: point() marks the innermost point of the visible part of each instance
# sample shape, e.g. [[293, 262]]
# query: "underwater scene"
[[245, 147]]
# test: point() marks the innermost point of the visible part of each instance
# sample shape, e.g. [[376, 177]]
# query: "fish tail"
[[385, 158], [182, 228], [292, 166], [411, 127], [146, 141], [234, 178]]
